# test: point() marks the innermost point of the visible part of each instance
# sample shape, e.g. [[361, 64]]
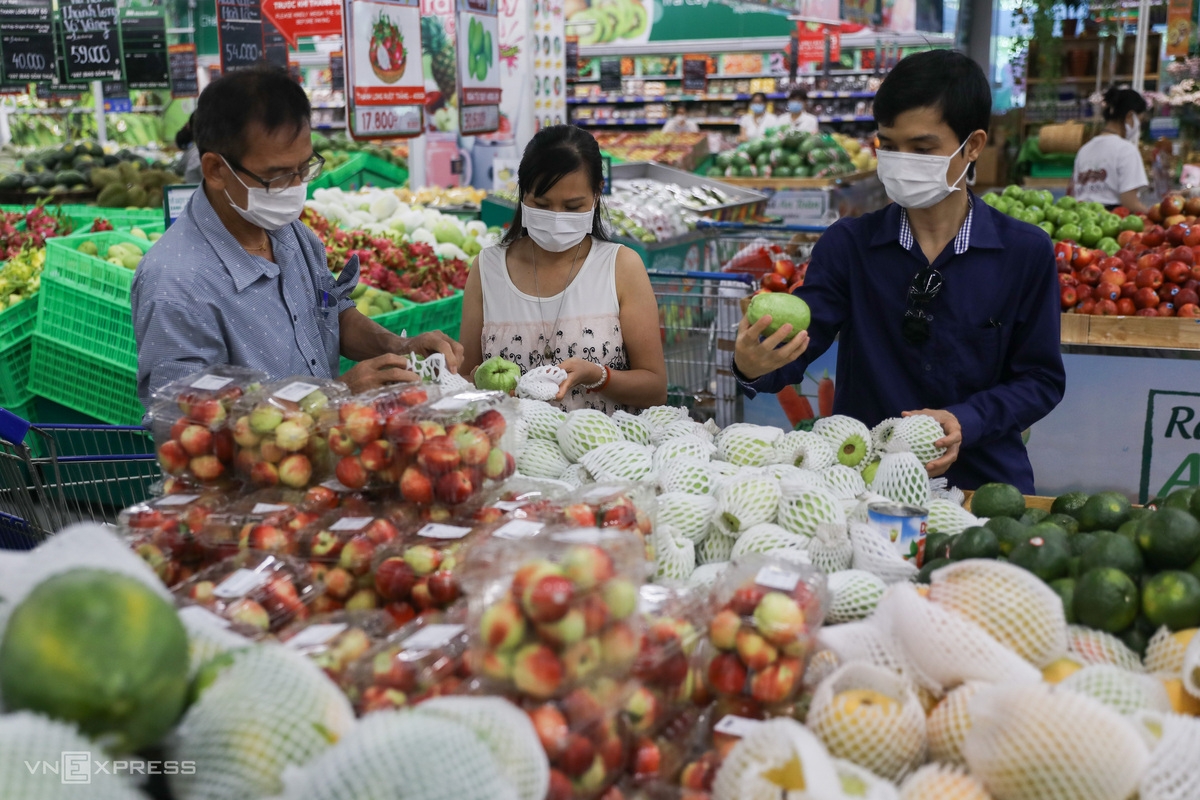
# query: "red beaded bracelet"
[[604, 382]]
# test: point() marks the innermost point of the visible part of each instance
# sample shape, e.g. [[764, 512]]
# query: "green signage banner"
[[638, 21]]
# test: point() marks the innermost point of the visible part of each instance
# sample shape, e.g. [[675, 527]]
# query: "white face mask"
[[1133, 131], [916, 181], [556, 231], [269, 211]]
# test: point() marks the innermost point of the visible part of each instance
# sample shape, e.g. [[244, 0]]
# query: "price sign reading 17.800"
[[386, 81]]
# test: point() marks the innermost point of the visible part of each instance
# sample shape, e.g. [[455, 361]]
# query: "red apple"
[[1149, 277], [1083, 257], [454, 487], [1125, 237], [1146, 312], [1106, 308], [1089, 274], [1188, 310], [173, 457], [1168, 291], [1125, 307], [1146, 297], [1113, 275], [351, 472], [1150, 261], [1068, 298], [1183, 254], [1185, 297], [1129, 289], [726, 674], [1087, 307], [415, 486], [1177, 271], [1171, 205], [438, 455], [1177, 231], [1083, 292], [1106, 291], [1166, 310]]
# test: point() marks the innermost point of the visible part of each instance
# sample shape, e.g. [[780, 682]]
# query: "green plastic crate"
[[82, 382], [441, 315], [384, 174], [16, 332], [74, 316], [362, 169], [103, 279], [119, 217]]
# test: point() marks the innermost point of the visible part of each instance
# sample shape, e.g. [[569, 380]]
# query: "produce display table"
[[818, 201]]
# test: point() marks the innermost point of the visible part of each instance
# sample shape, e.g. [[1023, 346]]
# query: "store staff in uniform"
[[798, 117], [940, 304], [679, 121], [1109, 168], [238, 279], [757, 121]]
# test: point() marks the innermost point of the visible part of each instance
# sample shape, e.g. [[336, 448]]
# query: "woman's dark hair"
[[758, 97], [551, 154], [183, 137], [1119, 102], [266, 95], [798, 94]]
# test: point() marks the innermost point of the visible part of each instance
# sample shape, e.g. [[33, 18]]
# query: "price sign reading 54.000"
[[387, 121]]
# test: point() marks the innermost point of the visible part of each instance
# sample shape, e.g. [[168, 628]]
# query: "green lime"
[[998, 500], [1180, 498], [1137, 512], [1045, 558], [1129, 529], [936, 546], [1080, 542], [1064, 521], [1136, 637], [1104, 511], [926, 571], [1033, 516], [1070, 503], [976, 542], [1106, 599], [1050, 532], [1073, 566], [1194, 504], [1115, 551], [1065, 589], [1172, 598], [1170, 539], [1195, 568], [1009, 532]]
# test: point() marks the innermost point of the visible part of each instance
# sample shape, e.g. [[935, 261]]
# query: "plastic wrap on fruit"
[[164, 532], [255, 592], [660, 757], [418, 573], [768, 614], [359, 436], [336, 640], [673, 624], [423, 659], [521, 498], [276, 432]]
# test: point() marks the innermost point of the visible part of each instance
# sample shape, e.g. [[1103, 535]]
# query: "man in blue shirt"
[[940, 304], [238, 279]]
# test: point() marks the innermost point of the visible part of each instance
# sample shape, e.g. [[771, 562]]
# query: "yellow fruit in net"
[[1060, 670], [1166, 651], [949, 723], [1181, 701], [938, 782]]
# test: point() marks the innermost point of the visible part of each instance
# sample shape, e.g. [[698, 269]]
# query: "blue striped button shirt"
[[200, 299]]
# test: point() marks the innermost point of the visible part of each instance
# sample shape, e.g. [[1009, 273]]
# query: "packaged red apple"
[[425, 658], [335, 641], [189, 421], [255, 592], [452, 448], [276, 431], [163, 532], [673, 624], [341, 547], [659, 757], [554, 611], [768, 614], [520, 498], [358, 437]]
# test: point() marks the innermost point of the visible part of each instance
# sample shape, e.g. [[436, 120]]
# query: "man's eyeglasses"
[[921, 292], [310, 171]]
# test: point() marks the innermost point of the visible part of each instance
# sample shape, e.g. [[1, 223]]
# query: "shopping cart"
[[752, 248], [52, 475], [698, 315]]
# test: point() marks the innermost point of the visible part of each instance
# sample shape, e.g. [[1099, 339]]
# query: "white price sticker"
[[351, 523], [460, 400], [510, 505], [775, 578], [316, 635], [519, 529], [295, 392], [436, 530], [177, 500], [211, 382], [268, 508], [200, 615], [432, 637], [740, 727], [240, 584]]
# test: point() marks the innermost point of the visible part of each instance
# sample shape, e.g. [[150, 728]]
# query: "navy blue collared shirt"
[[993, 357]]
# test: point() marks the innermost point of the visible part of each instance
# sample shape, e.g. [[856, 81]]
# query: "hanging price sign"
[[91, 44], [240, 33], [185, 82], [27, 42], [383, 68]]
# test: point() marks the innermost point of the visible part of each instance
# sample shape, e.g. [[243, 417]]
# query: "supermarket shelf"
[[767, 44], [329, 125], [839, 119], [676, 98], [633, 122], [333, 106], [1086, 79]]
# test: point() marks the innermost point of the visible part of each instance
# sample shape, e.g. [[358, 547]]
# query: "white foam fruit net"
[[674, 555], [542, 418], [705, 576], [660, 416], [802, 507], [901, 477], [950, 518], [1121, 690], [1173, 773], [846, 483], [874, 553], [541, 383], [1191, 668], [867, 642], [881, 434], [576, 475], [679, 429], [948, 723], [862, 783], [1164, 654], [1091, 646], [747, 500], [520, 434], [883, 734], [507, 731], [1012, 604], [790, 474], [270, 709], [688, 476], [853, 595], [779, 758], [619, 461], [850, 438], [28, 739], [690, 447], [805, 449], [715, 547], [633, 428], [689, 514], [405, 755], [584, 430], [918, 433], [768, 537], [945, 649], [208, 636], [830, 548], [940, 782], [542, 459], [747, 445], [1036, 742]]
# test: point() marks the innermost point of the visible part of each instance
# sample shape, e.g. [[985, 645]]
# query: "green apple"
[[1068, 217], [1048, 227], [1109, 245], [1012, 191], [1111, 225], [1091, 235], [498, 375], [1066, 202], [1070, 231], [991, 198], [1133, 223], [1052, 213], [1032, 197]]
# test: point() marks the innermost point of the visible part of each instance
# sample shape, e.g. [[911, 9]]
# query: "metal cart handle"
[[12, 427], [740, 277]]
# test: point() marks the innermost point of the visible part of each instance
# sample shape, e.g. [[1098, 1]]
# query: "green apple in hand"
[[497, 375]]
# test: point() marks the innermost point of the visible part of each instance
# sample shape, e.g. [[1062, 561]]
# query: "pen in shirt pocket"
[[325, 304]]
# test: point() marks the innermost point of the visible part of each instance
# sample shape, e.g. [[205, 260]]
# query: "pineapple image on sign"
[[387, 52]]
